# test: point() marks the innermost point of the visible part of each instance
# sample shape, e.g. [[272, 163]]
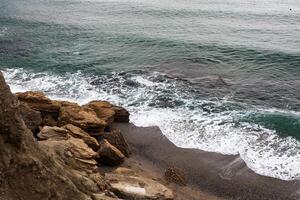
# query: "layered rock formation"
[[55, 149]]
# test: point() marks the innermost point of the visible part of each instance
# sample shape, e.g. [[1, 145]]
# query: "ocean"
[[217, 75]]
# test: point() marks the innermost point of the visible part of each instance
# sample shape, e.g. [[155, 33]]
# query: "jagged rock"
[[175, 175], [85, 119], [26, 171], [116, 138], [124, 171], [38, 101], [138, 188], [55, 133], [32, 118], [109, 155], [104, 110], [79, 133], [102, 196]]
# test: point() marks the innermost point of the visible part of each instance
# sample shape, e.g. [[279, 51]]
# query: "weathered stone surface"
[[175, 175], [103, 110], [77, 132], [109, 155], [122, 115], [138, 188], [116, 138], [38, 101], [32, 118], [85, 119], [26, 171], [54, 133]]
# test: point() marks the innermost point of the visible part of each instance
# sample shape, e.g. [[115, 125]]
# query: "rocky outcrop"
[[109, 154], [26, 171], [38, 101], [85, 119], [79, 133], [138, 188], [109, 111]]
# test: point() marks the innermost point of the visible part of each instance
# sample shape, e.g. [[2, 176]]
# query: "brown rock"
[[27, 171], [103, 110], [116, 138], [138, 188], [109, 155], [103, 107], [38, 101], [32, 118], [175, 175], [79, 133], [122, 115], [54, 133], [85, 119]]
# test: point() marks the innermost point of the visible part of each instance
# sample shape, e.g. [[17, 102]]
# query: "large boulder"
[[103, 110], [85, 119], [109, 112], [137, 188], [40, 102], [79, 133], [109, 154], [116, 138]]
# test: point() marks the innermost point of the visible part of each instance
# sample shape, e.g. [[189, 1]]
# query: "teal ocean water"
[[222, 76]]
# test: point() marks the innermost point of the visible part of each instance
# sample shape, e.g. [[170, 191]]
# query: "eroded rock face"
[[38, 101], [79, 133], [138, 188], [109, 154], [108, 111], [26, 171], [85, 119]]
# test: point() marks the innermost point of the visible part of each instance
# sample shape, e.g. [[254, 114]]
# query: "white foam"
[[261, 149]]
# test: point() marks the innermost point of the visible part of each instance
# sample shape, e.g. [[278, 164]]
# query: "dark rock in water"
[[109, 154], [116, 138], [175, 175], [32, 118]]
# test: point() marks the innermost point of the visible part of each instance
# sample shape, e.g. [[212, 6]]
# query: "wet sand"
[[222, 175]]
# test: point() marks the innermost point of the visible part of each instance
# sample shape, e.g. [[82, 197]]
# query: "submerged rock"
[[138, 188], [109, 154]]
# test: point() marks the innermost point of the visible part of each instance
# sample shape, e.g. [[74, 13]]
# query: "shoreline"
[[222, 175]]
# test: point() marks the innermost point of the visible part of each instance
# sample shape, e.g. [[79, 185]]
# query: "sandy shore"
[[227, 177]]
